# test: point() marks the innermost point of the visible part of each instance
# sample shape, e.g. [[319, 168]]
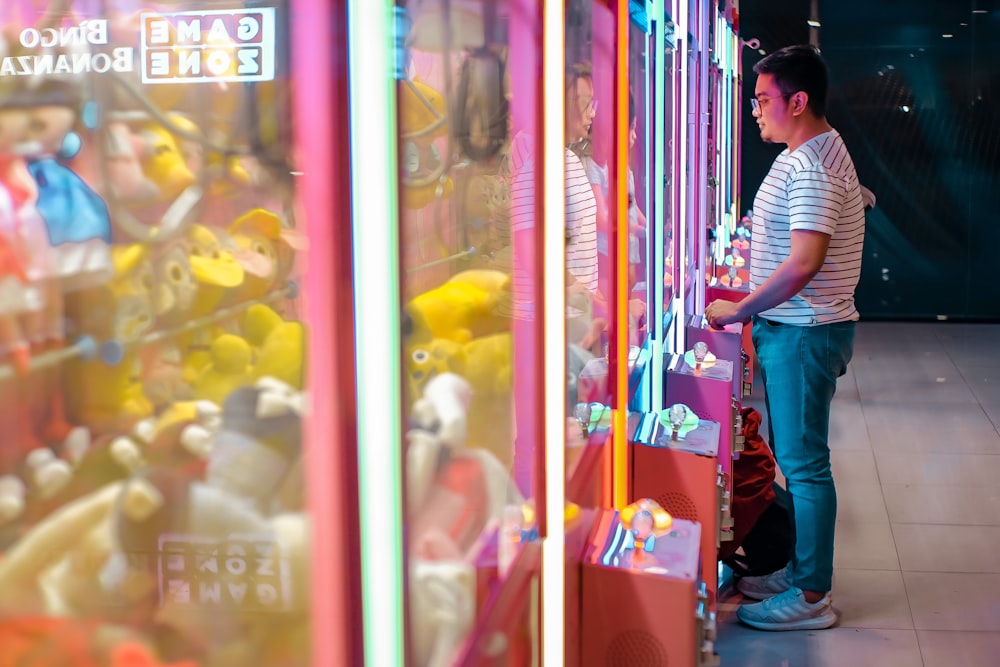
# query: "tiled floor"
[[915, 440]]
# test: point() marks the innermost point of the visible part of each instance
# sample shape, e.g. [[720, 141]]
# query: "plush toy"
[[219, 278], [106, 398], [258, 442], [24, 246], [260, 233], [224, 173], [218, 274], [163, 163], [76, 218], [196, 524], [443, 409], [174, 285], [102, 396], [462, 308], [426, 359], [423, 118], [486, 365], [279, 345], [54, 567], [79, 231], [229, 370], [442, 598], [121, 309], [110, 160]]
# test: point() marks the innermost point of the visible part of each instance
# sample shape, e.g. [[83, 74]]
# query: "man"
[[809, 230]]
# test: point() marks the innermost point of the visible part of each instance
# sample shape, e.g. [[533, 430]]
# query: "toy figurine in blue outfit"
[[72, 211]]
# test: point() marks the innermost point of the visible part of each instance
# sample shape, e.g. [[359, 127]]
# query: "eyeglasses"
[[588, 106], [758, 105]]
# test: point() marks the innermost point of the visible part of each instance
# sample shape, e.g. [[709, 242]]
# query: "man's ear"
[[799, 101]]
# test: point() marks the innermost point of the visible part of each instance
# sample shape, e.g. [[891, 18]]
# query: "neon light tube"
[[376, 286]]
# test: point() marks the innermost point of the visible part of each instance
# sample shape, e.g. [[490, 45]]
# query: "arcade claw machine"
[[170, 228], [460, 338]]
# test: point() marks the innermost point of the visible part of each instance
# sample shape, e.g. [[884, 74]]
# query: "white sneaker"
[[766, 586], [789, 611]]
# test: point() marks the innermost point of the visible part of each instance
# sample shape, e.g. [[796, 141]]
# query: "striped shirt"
[[813, 188], [581, 224], [523, 218]]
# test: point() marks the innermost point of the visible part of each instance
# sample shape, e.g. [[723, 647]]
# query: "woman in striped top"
[[809, 226]]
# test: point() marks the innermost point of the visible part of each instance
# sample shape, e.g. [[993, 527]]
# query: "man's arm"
[[803, 262]]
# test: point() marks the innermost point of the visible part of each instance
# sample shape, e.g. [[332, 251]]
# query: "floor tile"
[[848, 428], [968, 649], [847, 385], [897, 466], [921, 379], [939, 548], [871, 599], [835, 647], [853, 467], [931, 427], [962, 504], [954, 601], [915, 448], [863, 538]]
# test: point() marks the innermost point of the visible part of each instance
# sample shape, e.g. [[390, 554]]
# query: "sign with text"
[[208, 46], [248, 573]]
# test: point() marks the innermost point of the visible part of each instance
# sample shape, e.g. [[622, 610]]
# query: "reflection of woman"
[[582, 208], [636, 219], [581, 201]]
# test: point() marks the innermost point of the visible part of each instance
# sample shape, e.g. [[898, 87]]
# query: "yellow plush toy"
[[120, 309], [426, 359], [163, 163], [217, 272], [279, 345], [486, 364], [423, 118], [224, 173], [106, 398], [101, 396], [463, 308], [230, 369]]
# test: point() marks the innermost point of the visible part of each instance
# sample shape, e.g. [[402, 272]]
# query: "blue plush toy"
[[72, 211]]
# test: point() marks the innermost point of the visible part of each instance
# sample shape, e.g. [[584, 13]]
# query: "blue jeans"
[[799, 367]]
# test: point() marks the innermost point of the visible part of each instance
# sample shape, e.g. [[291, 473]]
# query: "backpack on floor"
[[762, 531]]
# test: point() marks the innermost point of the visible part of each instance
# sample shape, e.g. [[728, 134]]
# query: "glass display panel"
[[638, 179], [469, 219], [153, 364], [693, 194], [590, 72], [671, 179]]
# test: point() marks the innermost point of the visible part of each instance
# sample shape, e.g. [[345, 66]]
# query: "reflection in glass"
[[467, 230], [153, 341]]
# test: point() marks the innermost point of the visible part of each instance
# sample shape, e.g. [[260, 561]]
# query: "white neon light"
[[658, 213], [680, 170], [702, 172], [376, 288], [554, 337]]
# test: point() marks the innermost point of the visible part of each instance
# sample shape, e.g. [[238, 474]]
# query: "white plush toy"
[[443, 409]]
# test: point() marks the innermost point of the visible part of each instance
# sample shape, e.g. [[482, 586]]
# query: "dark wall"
[[921, 115]]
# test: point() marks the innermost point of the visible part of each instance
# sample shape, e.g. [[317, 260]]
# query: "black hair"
[[631, 107], [577, 71], [799, 67]]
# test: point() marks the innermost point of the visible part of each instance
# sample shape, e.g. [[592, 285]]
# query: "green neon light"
[[375, 222]]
